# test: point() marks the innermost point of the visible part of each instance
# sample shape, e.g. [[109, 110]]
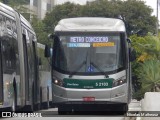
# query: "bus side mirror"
[[132, 52], [53, 37], [132, 55], [47, 51], [129, 40]]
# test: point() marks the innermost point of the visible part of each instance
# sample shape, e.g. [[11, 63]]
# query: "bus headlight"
[[58, 82], [119, 82]]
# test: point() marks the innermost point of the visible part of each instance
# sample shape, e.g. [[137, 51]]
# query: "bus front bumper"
[[100, 106]]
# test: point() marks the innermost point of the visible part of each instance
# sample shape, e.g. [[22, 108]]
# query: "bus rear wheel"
[[46, 105], [62, 110], [31, 107]]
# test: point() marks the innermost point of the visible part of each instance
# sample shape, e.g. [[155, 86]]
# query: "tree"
[[16, 2], [138, 17], [39, 29], [149, 76], [59, 12], [136, 14], [147, 47], [146, 68]]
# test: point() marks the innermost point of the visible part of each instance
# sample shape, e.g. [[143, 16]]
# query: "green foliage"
[[14, 3], [60, 12], [39, 28], [153, 47], [149, 76], [19, 5], [149, 44], [136, 41], [138, 17], [147, 65]]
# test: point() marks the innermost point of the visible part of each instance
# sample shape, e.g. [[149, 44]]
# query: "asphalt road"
[[52, 114]]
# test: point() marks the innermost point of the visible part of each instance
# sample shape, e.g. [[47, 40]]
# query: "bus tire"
[[61, 111], [46, 106], [30, 108], [124, 109], [41, 104]]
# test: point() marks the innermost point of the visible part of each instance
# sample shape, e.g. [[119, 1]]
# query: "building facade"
[[80, 2], [41, 7]]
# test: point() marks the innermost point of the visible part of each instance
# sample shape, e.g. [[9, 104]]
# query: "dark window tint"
[[10, 56]]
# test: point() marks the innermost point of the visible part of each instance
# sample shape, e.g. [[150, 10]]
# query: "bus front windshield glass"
[[86, 53]]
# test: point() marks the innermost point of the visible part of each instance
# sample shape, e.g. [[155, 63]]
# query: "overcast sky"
[[153, 4]]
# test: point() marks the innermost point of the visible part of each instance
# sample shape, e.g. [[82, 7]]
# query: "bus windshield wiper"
[[77, 69], [98, 68]]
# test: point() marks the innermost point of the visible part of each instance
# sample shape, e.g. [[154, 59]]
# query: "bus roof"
[[90, 24], [26, 22], [7, 10], [6, 7], [11, 13]]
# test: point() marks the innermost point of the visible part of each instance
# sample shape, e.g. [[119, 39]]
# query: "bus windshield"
[[88, 53]]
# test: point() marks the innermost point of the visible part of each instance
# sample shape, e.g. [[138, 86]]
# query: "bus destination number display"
[[101, 84]]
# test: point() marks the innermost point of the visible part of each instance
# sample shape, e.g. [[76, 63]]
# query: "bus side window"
[[1, 72], [8, 48], [15, 58]]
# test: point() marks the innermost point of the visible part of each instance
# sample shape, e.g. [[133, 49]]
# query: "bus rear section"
[[90, 65]]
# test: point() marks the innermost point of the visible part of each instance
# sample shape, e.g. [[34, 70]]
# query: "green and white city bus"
[[90, 65], [19, 83]]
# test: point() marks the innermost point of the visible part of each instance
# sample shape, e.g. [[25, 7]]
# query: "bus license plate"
[[88, 98]]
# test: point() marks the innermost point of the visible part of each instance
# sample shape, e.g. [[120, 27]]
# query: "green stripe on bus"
[[88, 83]]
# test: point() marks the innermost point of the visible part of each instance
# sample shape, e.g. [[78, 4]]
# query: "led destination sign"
[[103, 44], [95, 41], [88, 39], [78, 44]]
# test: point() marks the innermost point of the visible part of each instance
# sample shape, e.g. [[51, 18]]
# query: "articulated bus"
[[19, 83], [91, 68], [44, 78]]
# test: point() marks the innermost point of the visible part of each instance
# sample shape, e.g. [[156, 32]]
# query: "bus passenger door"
[[26, 68], [1, 75], [36, 79]]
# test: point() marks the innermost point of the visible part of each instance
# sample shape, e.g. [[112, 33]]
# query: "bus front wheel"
[[63, 110]]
